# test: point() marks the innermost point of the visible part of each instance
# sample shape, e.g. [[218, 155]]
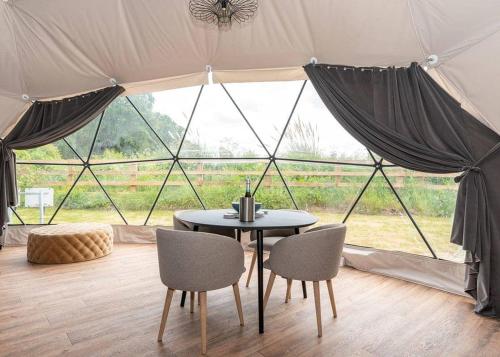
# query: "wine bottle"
[[247, 191]]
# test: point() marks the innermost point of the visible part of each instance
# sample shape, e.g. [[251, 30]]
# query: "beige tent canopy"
[[56, 48]]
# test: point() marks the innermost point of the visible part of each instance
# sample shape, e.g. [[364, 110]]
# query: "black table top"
[[273, 219]]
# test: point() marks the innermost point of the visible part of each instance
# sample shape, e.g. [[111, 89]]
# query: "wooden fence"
[[132, 177]]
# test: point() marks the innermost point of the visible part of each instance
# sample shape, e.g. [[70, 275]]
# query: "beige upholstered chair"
[[311, 256], [198, 262], [270, 239], [184, 226]]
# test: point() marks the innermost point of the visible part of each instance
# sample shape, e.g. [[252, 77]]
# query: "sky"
[[266, 105]]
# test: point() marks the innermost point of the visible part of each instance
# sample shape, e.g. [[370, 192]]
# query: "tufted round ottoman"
[[69, 243]]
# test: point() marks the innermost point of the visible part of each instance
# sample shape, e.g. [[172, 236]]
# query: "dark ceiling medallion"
[[222, 12]]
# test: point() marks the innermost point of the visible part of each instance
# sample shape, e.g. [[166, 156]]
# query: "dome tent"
[[53, 49]]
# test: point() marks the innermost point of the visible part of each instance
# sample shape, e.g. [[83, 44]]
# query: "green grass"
[[391, 232]]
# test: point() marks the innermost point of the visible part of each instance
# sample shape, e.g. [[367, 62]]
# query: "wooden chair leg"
[[237, 298], [269, 288], [252, 264], [332, 298], [288, 290], [317, 302], [166, 308], [191, 306], [203, 321]]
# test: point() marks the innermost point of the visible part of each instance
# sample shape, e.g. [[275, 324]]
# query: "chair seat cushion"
[[69, 243], [269, 242]]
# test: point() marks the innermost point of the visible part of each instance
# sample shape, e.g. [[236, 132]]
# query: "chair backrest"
[[180, 225], [311, 256], [194, 261], [285, 232], [325, 226]]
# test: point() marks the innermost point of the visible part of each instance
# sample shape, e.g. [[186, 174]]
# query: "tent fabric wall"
[[435, 273], [58, 48]]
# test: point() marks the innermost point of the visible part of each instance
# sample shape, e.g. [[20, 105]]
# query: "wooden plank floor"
[[113, 306]]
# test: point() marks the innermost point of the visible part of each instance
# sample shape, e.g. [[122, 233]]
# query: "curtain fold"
[[404, 116], [44, 123]]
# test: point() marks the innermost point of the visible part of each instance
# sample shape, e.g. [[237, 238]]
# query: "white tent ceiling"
[[54, 48]]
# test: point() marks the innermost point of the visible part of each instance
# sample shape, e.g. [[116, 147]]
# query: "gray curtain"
[[44, 123], [404, 116]]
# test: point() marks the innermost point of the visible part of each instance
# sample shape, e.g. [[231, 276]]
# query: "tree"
[[123, 130]]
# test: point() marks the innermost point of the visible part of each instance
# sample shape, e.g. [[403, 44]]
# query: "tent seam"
[[414, 27], [466, 48], [447, 54], [24, 86], [460, 91]]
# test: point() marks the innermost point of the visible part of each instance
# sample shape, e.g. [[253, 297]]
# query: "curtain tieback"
[[475, 166], [466, 170], [4, 151]]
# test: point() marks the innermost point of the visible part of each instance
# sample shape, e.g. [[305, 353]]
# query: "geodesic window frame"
[[272, 158]]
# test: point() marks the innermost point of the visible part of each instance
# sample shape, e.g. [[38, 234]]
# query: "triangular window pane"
[[221, 182], [325, 190], [218, 130], [13, 218], [431, 199], [379, 221], [176, 195], [45, 183], [267, 106], [81, 141], [314, 134], [124, 135], [57, 152], [168, 112], [272, 192], [132, 187], [87, 203]]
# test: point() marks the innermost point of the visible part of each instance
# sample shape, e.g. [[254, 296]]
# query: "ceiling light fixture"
[[222, 12]]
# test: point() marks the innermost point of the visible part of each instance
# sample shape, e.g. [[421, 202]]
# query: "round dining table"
[[265, 220]]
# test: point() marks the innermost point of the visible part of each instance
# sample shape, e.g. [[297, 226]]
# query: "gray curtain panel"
[[404, 116], [44, 123]]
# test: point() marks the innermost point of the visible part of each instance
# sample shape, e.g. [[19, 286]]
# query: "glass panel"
[[13, 218], [272, 192], [314, 134], [57, 152], [431, 200], [87, 203], [218, 130], [176, 195], [168, 112], [221, 182], [133, 187], [81, 141], [48, 183], [325, 190], [267, 106], [124, 135], [379, 221]]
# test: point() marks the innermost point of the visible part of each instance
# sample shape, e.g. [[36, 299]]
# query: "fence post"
[[133, 183], [201, 177], [400, 180], [338, 176], [70, 176]]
